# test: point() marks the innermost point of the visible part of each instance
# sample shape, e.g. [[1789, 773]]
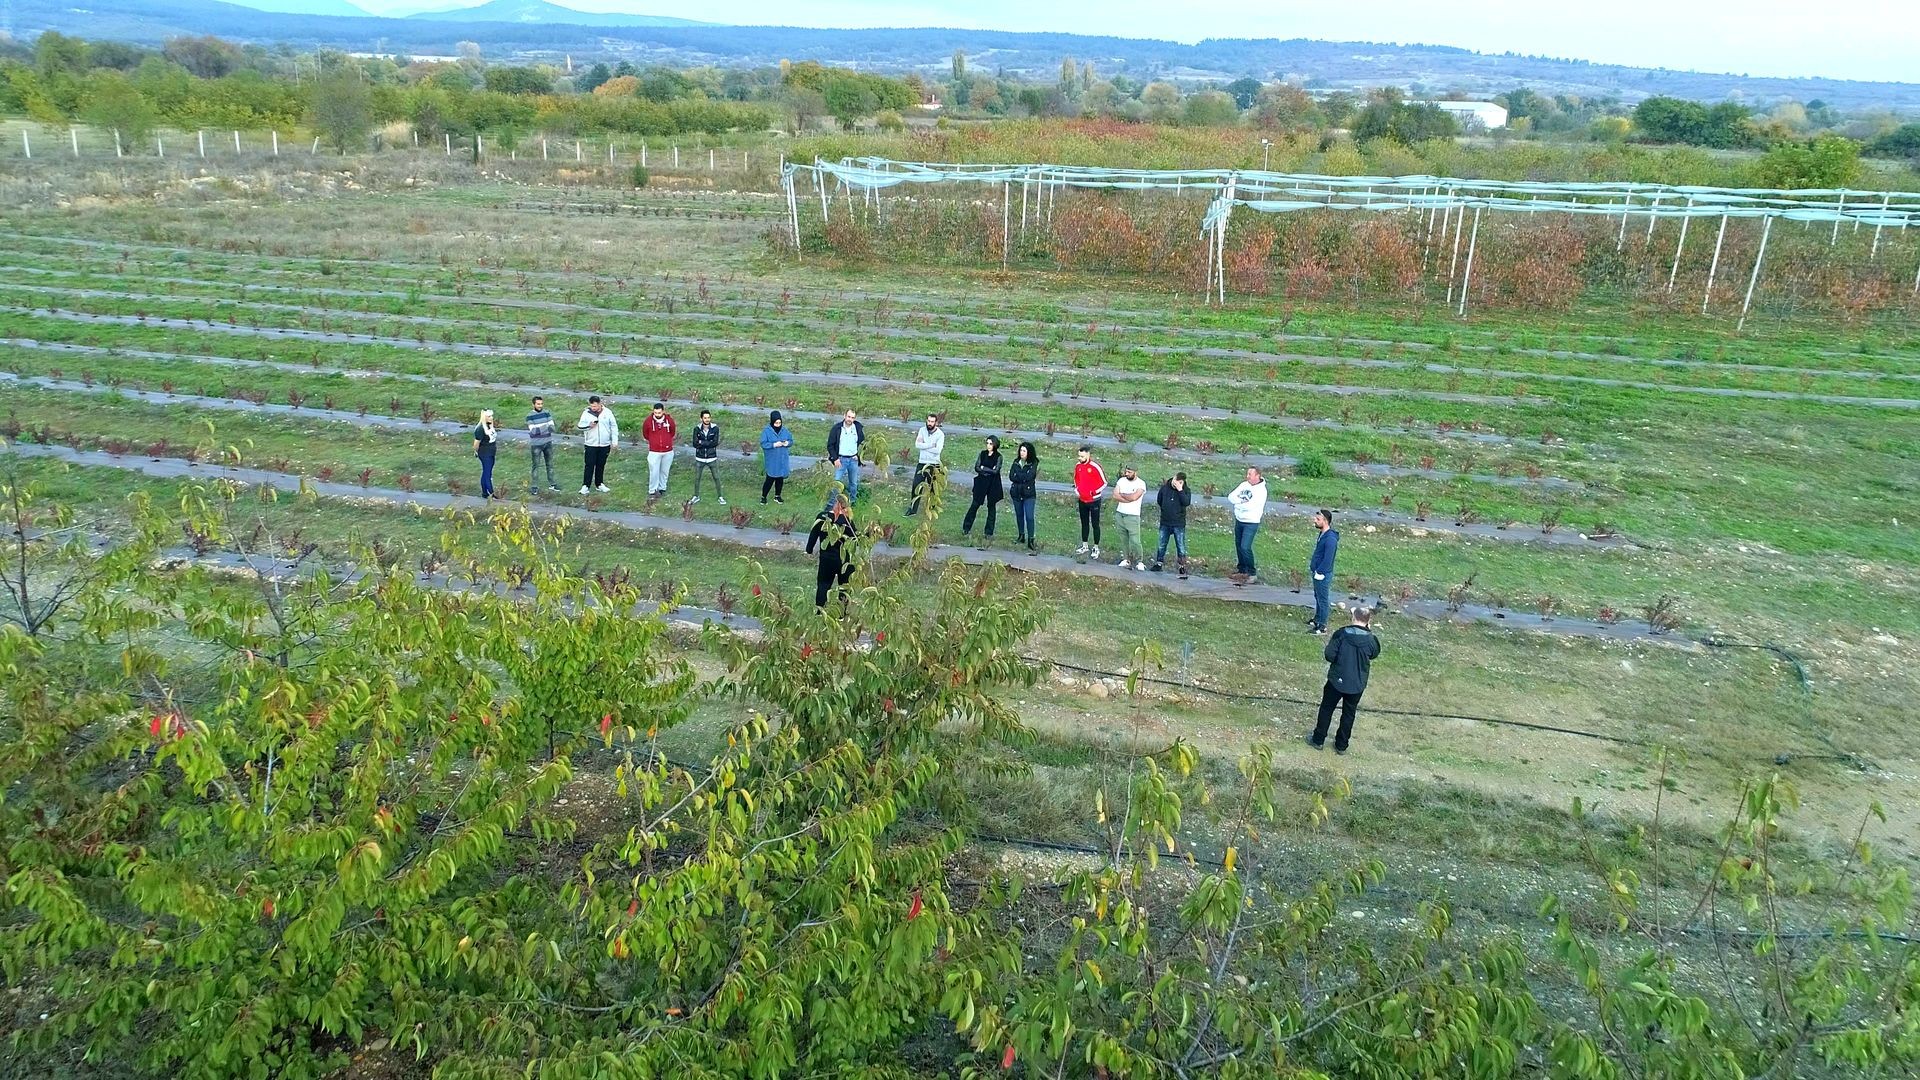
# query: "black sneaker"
[[1316, 745], [1341, 750], [1157, 566]]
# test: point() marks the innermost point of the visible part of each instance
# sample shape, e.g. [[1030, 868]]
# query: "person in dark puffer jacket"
[[706, 455], [1350, 653]]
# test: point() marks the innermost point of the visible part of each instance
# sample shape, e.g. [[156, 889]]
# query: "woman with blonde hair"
[[486, 439]]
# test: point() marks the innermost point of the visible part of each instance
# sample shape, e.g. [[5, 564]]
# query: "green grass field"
[[1765, 480]]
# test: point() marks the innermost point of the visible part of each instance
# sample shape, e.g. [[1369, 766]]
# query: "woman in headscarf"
[[776, 448]]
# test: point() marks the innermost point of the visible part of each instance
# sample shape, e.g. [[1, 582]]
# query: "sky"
[[1864, 39]]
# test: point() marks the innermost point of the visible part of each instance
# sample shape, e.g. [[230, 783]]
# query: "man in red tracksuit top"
[[1090, 484], [658, 430]]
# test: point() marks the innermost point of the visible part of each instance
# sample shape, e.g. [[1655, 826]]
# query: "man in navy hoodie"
[[1324, 550], [1349, 654]]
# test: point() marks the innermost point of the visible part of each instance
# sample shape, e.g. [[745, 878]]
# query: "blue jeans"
[[486, 476], [1243, 534], [1023, 516], [1177, 534], [848, 473], [1321, 588]]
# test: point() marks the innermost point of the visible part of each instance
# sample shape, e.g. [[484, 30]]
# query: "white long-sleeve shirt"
[[930, 444], [604, 433], [1249, 502]]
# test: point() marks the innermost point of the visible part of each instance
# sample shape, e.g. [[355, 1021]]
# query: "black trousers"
[[1329, 697], [775, 484], [924, 477], [596, 473], [826, 577], [991, 502], [1090, 521]]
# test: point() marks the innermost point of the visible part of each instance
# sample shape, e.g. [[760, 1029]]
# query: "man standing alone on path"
[[843, 452], [1129, 494], [1324, 550], [600, 433], [1350, 653], [931, 442], [540, 444], [658, 431], [1249, 508], [1090, 485], [706, 455], [1174, 498]]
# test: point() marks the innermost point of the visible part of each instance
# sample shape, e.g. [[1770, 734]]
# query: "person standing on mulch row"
[[1022, 477], [540, 444], [1350, 654], [776, 449], [599, 434], [1249, 502], [987, 489], [658, 430], [706, 455], [1174, 499], [931, 442], [844, 441], [831, 535], [1129, 496], [1324, 550], [1090, 485], [486, 441]]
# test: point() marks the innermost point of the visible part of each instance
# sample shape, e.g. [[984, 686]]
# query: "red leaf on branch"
[[266, 908], [806, 651], [756, 588], [633, 907], [154, 727], [913, 909], [879, 637], [606, 723], [1006, 1059]]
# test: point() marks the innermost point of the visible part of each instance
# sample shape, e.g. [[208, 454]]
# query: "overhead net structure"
[[1445, 202]]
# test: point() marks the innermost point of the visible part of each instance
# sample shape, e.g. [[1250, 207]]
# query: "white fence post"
[[315, 152], [276, 144], [543, 149], [236, 141], [576, 150], [449, 137], [159, 146], [116, 143], [709, 159], [676, 157], [25, 144], [1755, 279], [643, 154], [202, 135], [74, 134]]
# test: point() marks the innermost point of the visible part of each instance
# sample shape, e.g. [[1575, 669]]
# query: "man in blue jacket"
[[1322, 566], [843, 453], [1349, 654]]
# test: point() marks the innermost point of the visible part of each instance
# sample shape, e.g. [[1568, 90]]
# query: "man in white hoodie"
[[1249, 502], [599, 433], [931, 442]]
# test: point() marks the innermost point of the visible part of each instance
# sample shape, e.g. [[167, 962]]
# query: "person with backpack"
[[1022, 479], [486, 442], [776, 452], [832, 535], [1174, 499], [706, 455], [1350, 654], [987, 489], [540, 443], [658, 430], [1090, 485], [1324, 550]]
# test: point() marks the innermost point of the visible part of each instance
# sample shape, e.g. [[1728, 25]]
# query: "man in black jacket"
[[1349, 653], [706, 455], [1174, 498], [832, 537]]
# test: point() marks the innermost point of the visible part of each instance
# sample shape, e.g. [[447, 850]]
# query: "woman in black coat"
[[1023, 475], [832, 535], [987, 489]]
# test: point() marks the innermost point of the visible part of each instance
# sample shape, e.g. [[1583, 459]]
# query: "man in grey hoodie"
[[1350, 653]]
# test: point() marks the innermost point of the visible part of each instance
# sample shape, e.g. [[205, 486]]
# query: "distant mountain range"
[[310, 7], [539, 30], [527, 11]]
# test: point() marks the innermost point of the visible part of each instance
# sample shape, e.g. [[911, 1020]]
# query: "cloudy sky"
[[1866, 39]]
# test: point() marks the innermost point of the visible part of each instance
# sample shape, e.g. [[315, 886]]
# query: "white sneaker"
[[723, 500], [1125, 565], [1096, 553], [584, 489], [696, 499], [1082, 550], [603, 487]]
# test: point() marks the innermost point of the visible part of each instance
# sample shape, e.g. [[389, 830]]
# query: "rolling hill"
[[539, 11]]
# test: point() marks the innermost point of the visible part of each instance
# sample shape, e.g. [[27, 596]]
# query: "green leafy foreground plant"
[[256, 822]]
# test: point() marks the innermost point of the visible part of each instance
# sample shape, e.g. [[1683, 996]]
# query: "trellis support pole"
[[1758, 257], [1714, 267], [1466, 278]]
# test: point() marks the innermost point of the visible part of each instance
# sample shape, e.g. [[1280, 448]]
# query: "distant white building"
[[1474, 115]]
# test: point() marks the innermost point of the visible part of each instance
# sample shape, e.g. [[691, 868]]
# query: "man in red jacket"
[[658, 431], [1090, 484]]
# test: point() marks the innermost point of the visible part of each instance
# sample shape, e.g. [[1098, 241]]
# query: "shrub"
[[1313, 466], [639, 175]]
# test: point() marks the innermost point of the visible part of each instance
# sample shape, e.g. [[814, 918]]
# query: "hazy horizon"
[[1877, 40]]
